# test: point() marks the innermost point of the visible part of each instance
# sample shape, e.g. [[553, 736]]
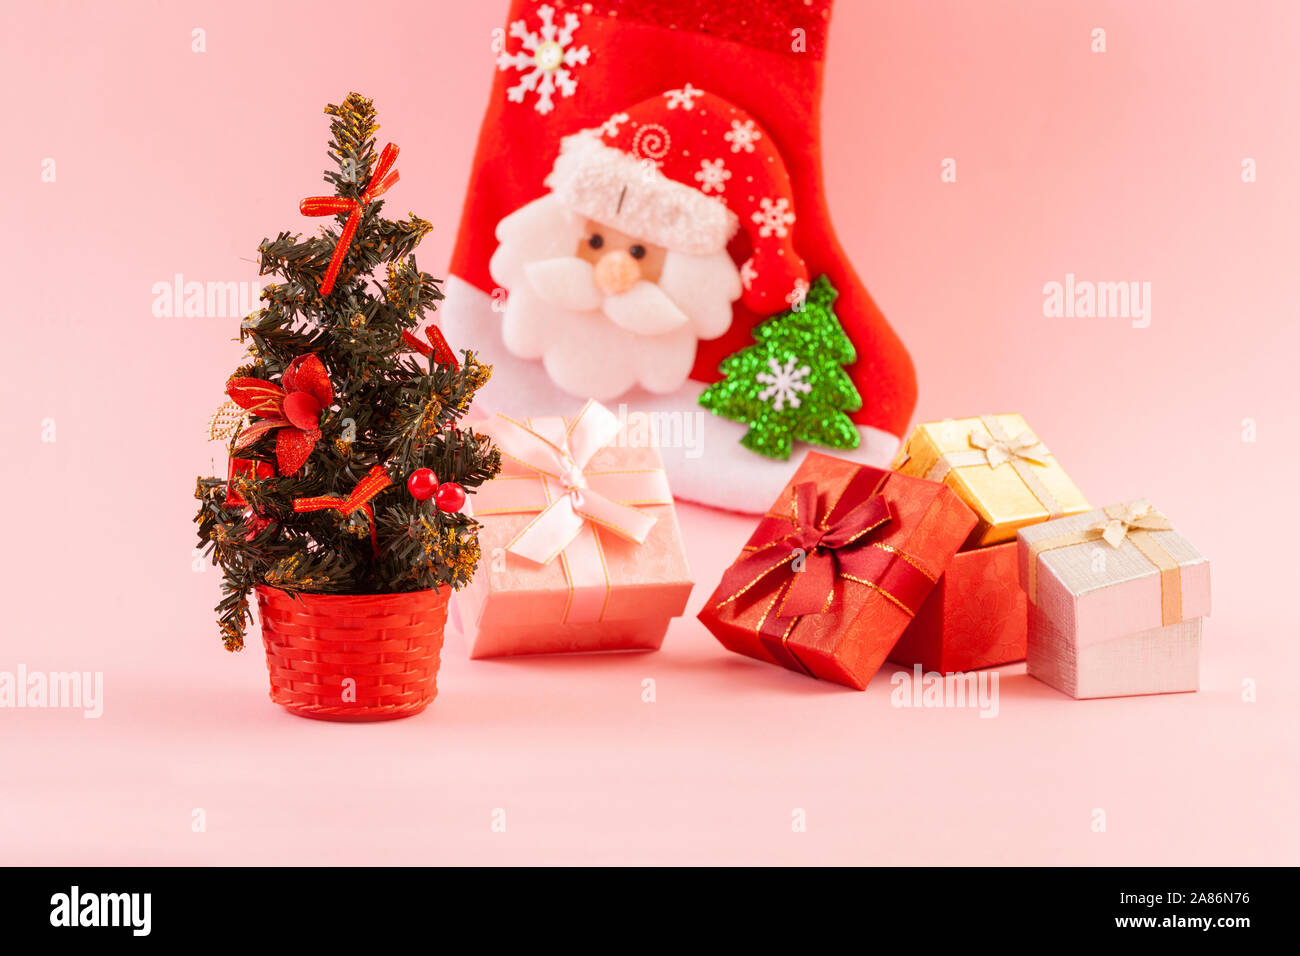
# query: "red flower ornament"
[[294, 407]]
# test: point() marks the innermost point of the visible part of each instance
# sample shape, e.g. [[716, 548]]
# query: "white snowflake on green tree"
[[791, 384], [784, 383]]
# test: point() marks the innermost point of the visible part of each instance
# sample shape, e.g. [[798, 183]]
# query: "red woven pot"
[[389, 645]]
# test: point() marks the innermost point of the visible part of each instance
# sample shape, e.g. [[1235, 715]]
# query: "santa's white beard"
[[594, 345], [569, 283], [588, 355]]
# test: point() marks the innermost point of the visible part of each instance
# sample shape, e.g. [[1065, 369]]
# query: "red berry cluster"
[[423, 485]]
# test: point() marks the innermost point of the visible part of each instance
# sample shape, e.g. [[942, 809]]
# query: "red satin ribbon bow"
[[437, 347], [380, 182], [809, 555], [372, 484]]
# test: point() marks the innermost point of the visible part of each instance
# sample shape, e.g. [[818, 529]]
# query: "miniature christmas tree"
[[791, 384], [348, 471]]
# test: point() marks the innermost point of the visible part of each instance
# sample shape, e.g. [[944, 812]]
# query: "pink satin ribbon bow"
[[546, 470]]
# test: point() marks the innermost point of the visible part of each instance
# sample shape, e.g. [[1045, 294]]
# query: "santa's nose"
[[616, 272]]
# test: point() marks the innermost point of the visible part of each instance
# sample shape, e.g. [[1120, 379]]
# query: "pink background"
[[1116, 166]]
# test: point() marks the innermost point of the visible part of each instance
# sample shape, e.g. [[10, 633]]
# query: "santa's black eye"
[[637, 251], [596, 240]]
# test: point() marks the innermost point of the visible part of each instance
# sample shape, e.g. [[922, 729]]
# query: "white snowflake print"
[[748, 273], [685, 97], [784, 383], [545, 60], [773, 217], [742, 136], [712, 176], [609, 128]]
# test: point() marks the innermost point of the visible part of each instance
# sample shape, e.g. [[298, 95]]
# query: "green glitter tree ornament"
[[791, 384]]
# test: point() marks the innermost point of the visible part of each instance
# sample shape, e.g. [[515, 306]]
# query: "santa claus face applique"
[[616, 274], [605, 310], [620, 261]]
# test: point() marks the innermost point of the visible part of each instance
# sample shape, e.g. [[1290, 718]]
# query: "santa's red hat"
[[685, 170]]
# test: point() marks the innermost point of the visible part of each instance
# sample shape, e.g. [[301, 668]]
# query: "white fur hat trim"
[[635, 197]]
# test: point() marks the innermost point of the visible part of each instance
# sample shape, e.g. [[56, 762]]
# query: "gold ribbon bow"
[[994, 447], [1134, 523], [1127, 519], [997, 451]]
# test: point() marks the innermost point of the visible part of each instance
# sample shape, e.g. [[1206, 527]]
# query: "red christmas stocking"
[[645, 225]]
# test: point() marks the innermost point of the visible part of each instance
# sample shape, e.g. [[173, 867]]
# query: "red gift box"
[[836, 570], [975, 617], [247, 468]]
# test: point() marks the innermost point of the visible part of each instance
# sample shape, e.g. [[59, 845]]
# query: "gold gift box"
[[997, 465]]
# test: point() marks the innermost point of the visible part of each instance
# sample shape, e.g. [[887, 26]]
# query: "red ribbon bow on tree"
[[380, 182], [375, 481], [810, 556], [437, 346], [294, 406]]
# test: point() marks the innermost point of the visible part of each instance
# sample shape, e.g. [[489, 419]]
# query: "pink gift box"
[[1162, 660], [1116, 599], [601, 592]]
